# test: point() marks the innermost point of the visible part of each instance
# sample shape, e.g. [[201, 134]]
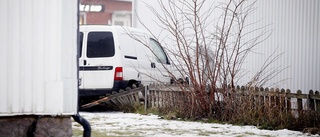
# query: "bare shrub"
[[209, 48], [210, 44]]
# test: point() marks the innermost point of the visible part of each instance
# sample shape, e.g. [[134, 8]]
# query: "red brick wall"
[[109, 7]]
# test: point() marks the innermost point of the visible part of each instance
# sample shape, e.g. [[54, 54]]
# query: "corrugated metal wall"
[[294, 28], [38, 57]]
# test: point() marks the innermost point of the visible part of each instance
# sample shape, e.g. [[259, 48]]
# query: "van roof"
[[117, 28]]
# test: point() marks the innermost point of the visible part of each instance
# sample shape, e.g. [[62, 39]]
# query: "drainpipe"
[[84, 123]]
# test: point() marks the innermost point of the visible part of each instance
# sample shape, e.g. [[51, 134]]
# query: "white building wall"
[[295, 30], [121, 18], [38, 57]]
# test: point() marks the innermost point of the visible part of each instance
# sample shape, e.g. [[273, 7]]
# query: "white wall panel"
[[3, 57], [294, 28], [38, 60]]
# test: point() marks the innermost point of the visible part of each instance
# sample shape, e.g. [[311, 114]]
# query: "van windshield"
[[100, 44]]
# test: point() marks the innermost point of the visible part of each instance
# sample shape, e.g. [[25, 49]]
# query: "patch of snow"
[[129, 124]]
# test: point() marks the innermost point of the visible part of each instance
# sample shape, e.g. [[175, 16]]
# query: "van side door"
[[144, 55], [97, 63]]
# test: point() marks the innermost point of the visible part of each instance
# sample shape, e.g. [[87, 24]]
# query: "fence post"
[[248, 95], [261, 100], [157, 99], [288, 100], [153, 98], [165, 99], [241, 94], [146, 88], [170, 96], [299, 100], [277, 98], [282, 99], [267, 97], [272, 98], [180, 99], [317, 102], [256, 98], [311, 100], [174, 98]]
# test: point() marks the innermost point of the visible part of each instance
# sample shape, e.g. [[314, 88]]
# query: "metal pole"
[[82, 121], [146, 88]]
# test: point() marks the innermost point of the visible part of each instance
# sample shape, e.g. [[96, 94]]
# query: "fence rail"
[[166, 96]]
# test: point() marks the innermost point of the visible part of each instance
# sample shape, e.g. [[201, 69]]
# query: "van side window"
[[100, 44], [80, 44], [161, 56]]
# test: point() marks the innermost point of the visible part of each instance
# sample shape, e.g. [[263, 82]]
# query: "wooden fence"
[[168, 96], [124, 98]]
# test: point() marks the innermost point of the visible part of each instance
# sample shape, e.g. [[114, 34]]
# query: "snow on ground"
[[129, 124]]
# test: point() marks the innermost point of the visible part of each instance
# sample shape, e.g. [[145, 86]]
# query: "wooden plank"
[[317, 102], [311, 101], [153, 98], [272, 98], [288, 101], [299, 101], [116, 98], [298, 96], [116, 102], [123, 99], [282, 99], [315, 97], [85, 106], [277, 98], [261, 103]]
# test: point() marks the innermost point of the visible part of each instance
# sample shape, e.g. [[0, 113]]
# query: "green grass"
[[79, 133], [248, 134], [95, 133], [208, 133]]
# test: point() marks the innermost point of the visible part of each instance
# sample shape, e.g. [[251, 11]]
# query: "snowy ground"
[[106, 124]]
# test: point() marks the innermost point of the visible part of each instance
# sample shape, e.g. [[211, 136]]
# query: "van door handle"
[[84, 62], [153, 65]]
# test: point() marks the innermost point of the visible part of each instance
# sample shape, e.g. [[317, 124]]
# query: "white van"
[[116, 57]]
